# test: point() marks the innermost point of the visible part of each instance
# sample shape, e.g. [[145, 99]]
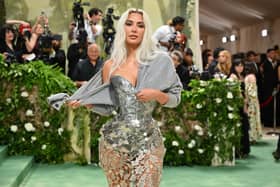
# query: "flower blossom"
[[8, 100], [229, 95], [177, 128], [230, 108], [13, 128], [216, 148], [180, 151], [29, 113], [46, 124], [33, 138], [197, 127], [230, 115], [44, 147], [198, 106], [60, 131], [218, 100], [29, 127], [24, 94], [200, 151], [175, 143]]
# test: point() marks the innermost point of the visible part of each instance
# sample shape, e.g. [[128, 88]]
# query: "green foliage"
[[29, 126], [206, 122]]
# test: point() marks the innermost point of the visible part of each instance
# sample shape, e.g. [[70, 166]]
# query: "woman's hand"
[[74, 103], [146, 95], [77, 103]]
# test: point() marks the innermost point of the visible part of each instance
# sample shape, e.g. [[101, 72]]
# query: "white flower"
[[198, 106], [14, 128], [146, 139], [193, 142], [216, 148], [44, 147], [197, 127], [145, 134], [238, 124], [218, 100], [23, 139], [177, 128], [180, 151], [200, 133], [203, 83], [230, 108], [190, 145], [33, 138], [230, 115], [214, 114], [114, 112], [29, 113], [175, 143], [229, 95], [24, 94], [210, 134], [163, 138], [46, 124], [200, 151], [60, 130], [29, 127], [8, 100]]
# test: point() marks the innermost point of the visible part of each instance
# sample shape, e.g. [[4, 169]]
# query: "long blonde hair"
[[145, 50], [225, 68]]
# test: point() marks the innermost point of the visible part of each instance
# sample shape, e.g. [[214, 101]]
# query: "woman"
[[7, 43], [237, 74], [131, 148], [251, 94], [224, 63]]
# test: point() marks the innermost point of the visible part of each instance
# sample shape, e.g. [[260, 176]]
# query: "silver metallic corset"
[[132, 130]]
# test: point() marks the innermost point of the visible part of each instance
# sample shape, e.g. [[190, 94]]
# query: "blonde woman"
[[224, 63], [131, 148]]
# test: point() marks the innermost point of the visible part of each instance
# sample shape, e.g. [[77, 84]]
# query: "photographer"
[[109, 30], [166, 35], [90, 23]]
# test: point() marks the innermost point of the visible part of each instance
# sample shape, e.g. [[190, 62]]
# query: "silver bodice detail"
[[133, 129]]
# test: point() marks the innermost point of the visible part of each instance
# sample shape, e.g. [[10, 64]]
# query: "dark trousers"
[[244, 139]]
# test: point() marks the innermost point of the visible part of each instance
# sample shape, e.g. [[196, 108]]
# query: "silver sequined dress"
[[131, 149]]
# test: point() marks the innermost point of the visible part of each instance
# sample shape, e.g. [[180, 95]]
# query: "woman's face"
[[239, 68], [222, 58], [9, 36], [134, 29]]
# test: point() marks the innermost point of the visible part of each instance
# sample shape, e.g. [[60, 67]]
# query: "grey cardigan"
[[158, 73]]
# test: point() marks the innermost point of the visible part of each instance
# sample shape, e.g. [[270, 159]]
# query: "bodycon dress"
[[131, 148]]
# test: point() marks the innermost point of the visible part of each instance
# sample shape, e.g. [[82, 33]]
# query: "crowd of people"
[[259, 75]]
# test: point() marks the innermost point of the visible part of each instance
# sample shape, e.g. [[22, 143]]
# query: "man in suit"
[[269, 85]]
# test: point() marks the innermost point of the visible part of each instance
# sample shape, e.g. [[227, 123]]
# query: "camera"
[[78, 15], [10, 58], [109, 30]]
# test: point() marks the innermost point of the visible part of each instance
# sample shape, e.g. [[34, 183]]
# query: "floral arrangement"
[[27, 124], [205, 124]]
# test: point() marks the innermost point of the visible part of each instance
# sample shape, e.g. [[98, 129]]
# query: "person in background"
[[166, 35], [224, 64], [58, 56], [87, 68], [252, 102], [237, 74], [91, 26]]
